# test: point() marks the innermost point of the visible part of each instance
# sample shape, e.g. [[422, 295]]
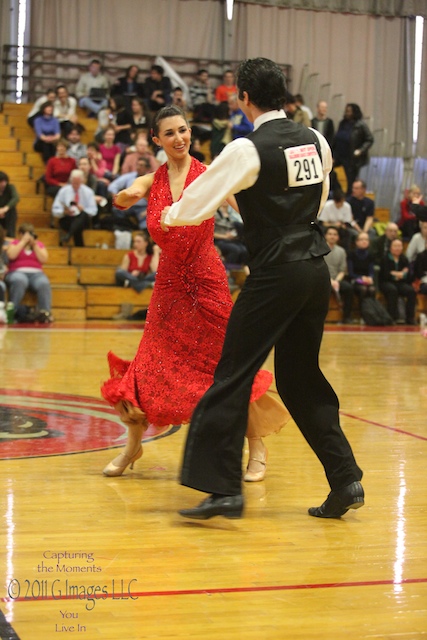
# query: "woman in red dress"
[[186, 319]]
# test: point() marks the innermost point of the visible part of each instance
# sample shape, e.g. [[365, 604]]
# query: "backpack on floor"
[[374, 313]]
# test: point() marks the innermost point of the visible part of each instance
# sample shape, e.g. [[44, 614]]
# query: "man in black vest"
[[280, 175]]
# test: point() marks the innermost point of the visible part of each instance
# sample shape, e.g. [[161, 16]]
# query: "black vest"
[[279, 218]]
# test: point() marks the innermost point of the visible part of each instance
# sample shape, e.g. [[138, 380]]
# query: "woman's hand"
[[163, 225]]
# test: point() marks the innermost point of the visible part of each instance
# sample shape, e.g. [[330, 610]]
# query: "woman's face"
[[61, 150], [174, 137], [133, 72], [48, 111], [396, 248], [136, 107], [109, 136], [139, 243], [348, 113]]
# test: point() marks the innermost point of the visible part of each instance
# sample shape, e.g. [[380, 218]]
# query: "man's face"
[[322, 109], [155, 75], [229, 78], [203, 77], [141, 146], [62, 93], [141, 168], [74, 137], [84, 165], [391, 231], [358, 190], [76, 182], [332, 236], [95, 68]]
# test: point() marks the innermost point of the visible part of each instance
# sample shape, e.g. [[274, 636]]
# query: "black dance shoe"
[[339, 502], [216, 505]]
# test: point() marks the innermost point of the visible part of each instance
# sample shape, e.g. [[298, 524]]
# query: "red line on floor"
[[384, 426]]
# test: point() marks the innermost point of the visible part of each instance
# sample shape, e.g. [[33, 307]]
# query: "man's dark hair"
[[95, 61], [338, 195], [158, 68], [264, 82]]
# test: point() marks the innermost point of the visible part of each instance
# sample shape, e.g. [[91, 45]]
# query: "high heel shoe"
[[257, 476], [119, 464]]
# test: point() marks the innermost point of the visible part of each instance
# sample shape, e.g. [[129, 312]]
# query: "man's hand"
[[163, 225]]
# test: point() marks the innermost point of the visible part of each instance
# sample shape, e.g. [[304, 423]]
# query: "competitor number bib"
[[304, 165]]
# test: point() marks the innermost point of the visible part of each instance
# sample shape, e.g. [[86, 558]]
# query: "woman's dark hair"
[[4, 177], [338, 195], [140, 101], [222, 111], [7, 190], [93, 145], [120, 102], [357, 112], [263, 81], [44, 106], [132, 66], [26, 227], [166, 112], [144, 233]]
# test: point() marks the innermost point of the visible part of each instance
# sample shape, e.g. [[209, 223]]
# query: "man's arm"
[[236, 168]]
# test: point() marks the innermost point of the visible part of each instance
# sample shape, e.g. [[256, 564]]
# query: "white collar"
[[269, 115]]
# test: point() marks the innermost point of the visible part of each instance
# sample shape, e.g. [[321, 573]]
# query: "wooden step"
[[26, 145], [61, 275], [58, 256], [69, 315], [109, 296], [24, 133], [97, 275], [107, 312], [382, 214], [16, 119], [49, 237], [69, 296], [8, 144], [98, 257], [98, 237], [24, 187], [11, 159], [421, 303], [12, 108], [34, 159], [5, 131], [20, 172], [32, 203], [41, 219]]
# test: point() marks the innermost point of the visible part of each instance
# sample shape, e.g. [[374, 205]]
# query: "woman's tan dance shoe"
[[257, 476], [119, 464]]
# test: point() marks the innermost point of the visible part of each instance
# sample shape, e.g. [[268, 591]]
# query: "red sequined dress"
[[186, 320]]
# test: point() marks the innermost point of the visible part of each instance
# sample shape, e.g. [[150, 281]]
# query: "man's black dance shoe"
[[216, 505], [339, 502]]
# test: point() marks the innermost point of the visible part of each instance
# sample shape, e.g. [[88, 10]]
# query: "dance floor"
[[95, 557]]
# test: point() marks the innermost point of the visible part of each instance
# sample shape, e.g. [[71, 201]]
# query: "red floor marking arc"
[[384, 426], [213, 591]]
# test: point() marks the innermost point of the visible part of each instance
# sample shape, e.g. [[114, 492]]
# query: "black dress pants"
[[74, 226], [284, 307]]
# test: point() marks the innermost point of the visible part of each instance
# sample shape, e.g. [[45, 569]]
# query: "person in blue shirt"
[[48, 132], [138, 210]]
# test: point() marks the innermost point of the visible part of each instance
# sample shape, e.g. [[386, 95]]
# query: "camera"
[[33, 235]]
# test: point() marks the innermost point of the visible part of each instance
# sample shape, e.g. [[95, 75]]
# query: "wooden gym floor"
[[95, 557]]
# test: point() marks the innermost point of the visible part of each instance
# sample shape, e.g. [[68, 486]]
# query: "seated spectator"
[[337, 213], [58, 169], [295, 113], [301, 104], [417, 243], [106, 118], [395, 280], [141, 121], [336, 261], [157, 89], [49, 96], [142, 150], [420, 271], [221, 134], [64, 108], [3, 267], [98, 166], [202, 98], [74, 204], [47, 130], [128, 85], [123, 122], [121, 218], [26, 256], [381, 245], [196, 150], [360, 267], [238, 123], [322, 123], [363, 208], [92, 89], [76, 148], [110, 153], [352, 142], [408, 222], [227, 88], [139, 266], [227, 237], [9, 198], [178, 99], [90, 180]]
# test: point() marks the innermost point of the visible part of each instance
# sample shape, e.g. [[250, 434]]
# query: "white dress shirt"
[[66, 195], [235, 169]]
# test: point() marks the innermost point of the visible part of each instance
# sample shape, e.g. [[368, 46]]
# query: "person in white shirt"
[[74, 204], [417, 243], [90, 82], [64, 108], [280, 177], [337, 213]]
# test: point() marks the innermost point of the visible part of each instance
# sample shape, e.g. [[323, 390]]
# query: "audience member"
[[9, 198], [139, 266], [110, 153], [381, 244], [3, 271], [322, 123], [352, 141], [73, 205], [238, 123], [227, 88], [360, 267], [26, 256], [336, 261], [98, 186], [47, 130], [141, 121], [58, 169], [178, 99], [362, 207], [196, 150], [408, 222], [395, 280], [221, 134], [98, 166], [157, 88], [226, 237], [301, 104], [49, 96], [417, 243], [64, 109], [337, 213], [420, 271], [123, 123], [121, 218], [128, 85], [92, 89], [142, 150], [202, 98], [295, 113], [76, 148]]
